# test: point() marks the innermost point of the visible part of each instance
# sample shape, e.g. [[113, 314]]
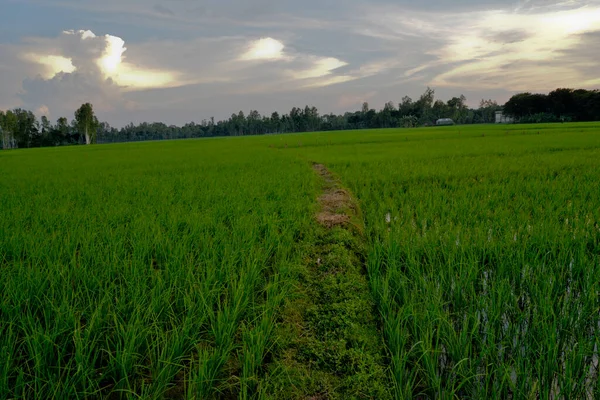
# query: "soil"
[[335, 202]]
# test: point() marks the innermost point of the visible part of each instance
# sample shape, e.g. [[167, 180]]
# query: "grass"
[[165, 270], [142, 270], [329, 346], [484, 256]]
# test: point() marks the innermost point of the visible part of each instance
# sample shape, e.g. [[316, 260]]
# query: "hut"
[[444, 121]]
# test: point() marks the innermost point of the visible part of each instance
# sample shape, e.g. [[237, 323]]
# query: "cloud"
[[163, 10], [529, 56], [354, 101], [310, 70], [75, 71], [53, 64], [264, 49], [43, 110], [320, 67], [102, 57], [185, 58], [516, 50]]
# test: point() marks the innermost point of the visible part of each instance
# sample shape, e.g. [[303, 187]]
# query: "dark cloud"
[[66, 91], [163, 10], [510, 36], [585, 58]]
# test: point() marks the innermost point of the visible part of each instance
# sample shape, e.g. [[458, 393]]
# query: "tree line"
[[20, 128], [560, 105]]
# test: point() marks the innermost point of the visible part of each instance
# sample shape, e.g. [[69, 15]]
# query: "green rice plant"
[[483, 255], [135, 270], [158, 270]]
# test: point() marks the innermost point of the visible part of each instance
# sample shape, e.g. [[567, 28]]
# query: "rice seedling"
[[161, 270], [484, 256]]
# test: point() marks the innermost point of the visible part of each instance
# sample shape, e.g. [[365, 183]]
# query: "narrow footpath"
[[329, 344]]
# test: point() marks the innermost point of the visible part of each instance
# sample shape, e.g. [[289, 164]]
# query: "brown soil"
[[335, 202], [329, 220]]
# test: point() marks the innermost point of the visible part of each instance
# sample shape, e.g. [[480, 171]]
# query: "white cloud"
[[264, 49], [320, 67], [530, 62], [99, 56], [311, 70], [43, 110], [113, 54], [53, 64], [493, 49]]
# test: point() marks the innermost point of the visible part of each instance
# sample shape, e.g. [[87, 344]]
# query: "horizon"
[[177, 62]]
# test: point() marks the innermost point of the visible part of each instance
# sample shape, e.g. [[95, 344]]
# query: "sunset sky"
[[185, 60]]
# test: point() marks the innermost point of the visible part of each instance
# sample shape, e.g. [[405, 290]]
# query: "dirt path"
[[330, 346]]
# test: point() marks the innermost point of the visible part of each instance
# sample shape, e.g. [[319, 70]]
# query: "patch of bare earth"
[[335, 202]]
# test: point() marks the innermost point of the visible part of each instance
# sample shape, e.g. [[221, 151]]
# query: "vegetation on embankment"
[[328, 342]]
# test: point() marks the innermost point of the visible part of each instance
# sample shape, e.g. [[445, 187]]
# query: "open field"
[[180, 269]]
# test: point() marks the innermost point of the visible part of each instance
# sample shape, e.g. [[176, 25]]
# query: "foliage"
[[559, 105], [87, 122], [148, 269], [407, 114], [160, 270], [483, 256]]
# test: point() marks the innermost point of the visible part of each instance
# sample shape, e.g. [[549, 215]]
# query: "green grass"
[[487, 275], [144, 270], [160, 270]]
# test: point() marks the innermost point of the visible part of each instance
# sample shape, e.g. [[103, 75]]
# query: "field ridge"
[[331, 347]]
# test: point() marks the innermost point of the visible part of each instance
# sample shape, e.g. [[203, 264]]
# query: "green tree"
[[457, 106], [8, 126], [25, 128], [87, 123]]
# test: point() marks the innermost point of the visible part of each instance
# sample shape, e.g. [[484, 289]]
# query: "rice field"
[[164, 270]]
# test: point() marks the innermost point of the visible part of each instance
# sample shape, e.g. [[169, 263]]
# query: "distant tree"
[[87, 123], [487, 111], [406, 107], [457, 108], [387, 117], [365, 107], [275, 122], [45, 125], [526, 104], [26, 127], [562, 102], [424, 105], [440, 110], [8, 126], [409, 121]]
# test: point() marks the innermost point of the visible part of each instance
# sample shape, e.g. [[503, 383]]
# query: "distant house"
[[444, 121], [503, 119]]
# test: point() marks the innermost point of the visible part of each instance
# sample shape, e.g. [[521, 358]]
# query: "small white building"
[[444, 121], [503, 119]]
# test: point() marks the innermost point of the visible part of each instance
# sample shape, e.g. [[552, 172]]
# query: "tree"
[[457, 106], [275, 121], [386, 118], [8, 126], [526, 104], [87, 123], [365, 108], [406, 107], [25, 127], [487, 111], [424, 105], [440, 110]]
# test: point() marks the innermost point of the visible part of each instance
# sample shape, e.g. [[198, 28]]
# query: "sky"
[[178, 61]]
